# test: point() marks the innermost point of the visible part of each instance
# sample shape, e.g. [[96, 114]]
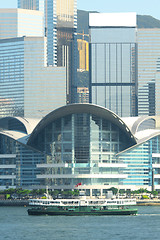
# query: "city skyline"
[[113, 6], [100, 143]]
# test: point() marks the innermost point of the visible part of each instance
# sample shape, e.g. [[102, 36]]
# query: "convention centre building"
[[80, 146]]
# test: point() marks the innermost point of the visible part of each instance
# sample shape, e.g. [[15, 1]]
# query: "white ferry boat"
[[83, 206]]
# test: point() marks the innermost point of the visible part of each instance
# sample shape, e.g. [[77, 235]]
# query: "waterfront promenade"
[[15, 203], [148, 202]]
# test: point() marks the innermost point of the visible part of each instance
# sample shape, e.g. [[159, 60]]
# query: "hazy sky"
[[144, 7]]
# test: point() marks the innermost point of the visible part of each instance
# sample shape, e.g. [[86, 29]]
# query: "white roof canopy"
[[112, 19]]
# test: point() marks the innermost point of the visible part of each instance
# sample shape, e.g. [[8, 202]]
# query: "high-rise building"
[[21, 22], [28, 87], [148, 71], [113, 62], [30, 4], [24, 74], [60, 27], [60, 24], [66, 27], [83, 50]]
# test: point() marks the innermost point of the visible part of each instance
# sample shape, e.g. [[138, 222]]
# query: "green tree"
[[114, 190], [155, 193], [122, 191]]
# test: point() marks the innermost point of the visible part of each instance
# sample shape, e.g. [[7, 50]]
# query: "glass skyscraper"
[[11, 77], [30, 4], [26, 82], [113, 62], [148, 71], [60, 25], [27, 86]]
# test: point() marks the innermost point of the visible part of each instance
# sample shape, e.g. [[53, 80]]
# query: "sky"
[[141, 7]]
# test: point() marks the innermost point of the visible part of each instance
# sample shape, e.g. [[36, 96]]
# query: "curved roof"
[[134, 122], [17, 136], [145, 135], [25, 125], [82, 108]]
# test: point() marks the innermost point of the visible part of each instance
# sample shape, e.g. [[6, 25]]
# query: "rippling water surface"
[[15, 224]]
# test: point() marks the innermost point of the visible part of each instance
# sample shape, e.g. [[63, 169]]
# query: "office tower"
[[60, 27], [83, 50], [113, 62], [148, 71], [27, 86], [30, 4], [67, 43], [21, 22]]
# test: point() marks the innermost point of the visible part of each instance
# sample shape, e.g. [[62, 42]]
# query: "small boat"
[[83, 206]]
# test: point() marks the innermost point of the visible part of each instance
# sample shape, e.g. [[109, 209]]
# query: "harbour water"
[[15, 224]]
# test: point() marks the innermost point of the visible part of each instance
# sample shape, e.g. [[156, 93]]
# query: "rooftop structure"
[[113, 20]]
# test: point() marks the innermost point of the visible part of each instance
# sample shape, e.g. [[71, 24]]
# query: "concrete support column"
[[90, 192], [101, 192]]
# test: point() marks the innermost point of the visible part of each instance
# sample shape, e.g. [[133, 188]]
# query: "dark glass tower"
[[113, 62]]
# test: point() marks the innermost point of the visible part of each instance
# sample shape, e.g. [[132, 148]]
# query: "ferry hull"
[[82, 213]]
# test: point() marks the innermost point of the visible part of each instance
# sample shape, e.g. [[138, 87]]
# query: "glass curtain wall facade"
[[81, 146], [12, 77], [18, 164], [32, 4], [113, 68], [29, 4], [114, 78], [60, 27], [80, 143], [66, 26], [148, 71], [45, 87], [26, 81], [141, 161], [48, 7]]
